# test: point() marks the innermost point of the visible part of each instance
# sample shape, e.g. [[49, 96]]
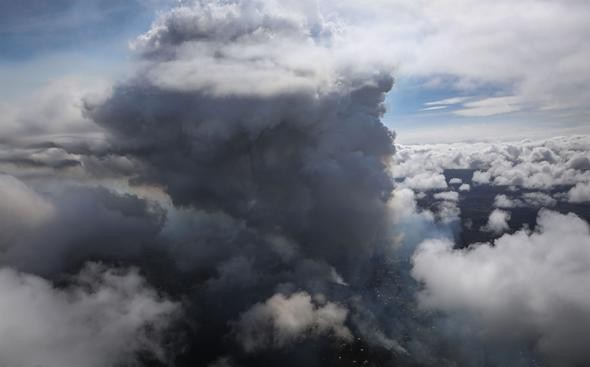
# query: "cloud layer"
[[543, 164]]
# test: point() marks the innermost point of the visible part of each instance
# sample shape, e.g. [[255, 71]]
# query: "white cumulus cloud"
[[530, 287], [102, 320]]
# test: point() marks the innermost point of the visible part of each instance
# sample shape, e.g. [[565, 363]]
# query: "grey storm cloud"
[[267, 137], [243, 119], [46, 234]]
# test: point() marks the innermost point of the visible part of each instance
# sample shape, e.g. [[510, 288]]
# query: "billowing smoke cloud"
[[230, 113], [240, 120], [47, 234], [254, 118]]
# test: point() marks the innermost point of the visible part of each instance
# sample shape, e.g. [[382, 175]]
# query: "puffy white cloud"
[[447, 211], [529, 286], [259, 47], [426, 181], [465, 187], [527, 199], [538, 200], [447, 195], [410, 219], [411, 224], [455, 181], [539, 165], [103, 319], [480, 177], [579, 161], [503, 201], [579, 193], [403, 204], [283, 320], [497, 222]]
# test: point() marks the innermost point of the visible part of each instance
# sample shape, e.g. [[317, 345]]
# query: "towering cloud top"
[[253, 109], [250, 108], [260, 47]]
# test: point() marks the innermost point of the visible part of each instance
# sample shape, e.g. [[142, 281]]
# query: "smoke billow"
[[245, 115], [241, 108], [256, 121]]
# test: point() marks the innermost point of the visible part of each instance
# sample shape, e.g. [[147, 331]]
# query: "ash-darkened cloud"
[[231, 114], [236, 200], [250, 110]]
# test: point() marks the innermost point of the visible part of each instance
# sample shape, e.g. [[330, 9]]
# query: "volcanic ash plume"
[[258, 119]]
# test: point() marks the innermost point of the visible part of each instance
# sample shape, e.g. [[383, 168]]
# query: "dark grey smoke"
[[313, 172], [245, 115], [86, 223], [308, 165]]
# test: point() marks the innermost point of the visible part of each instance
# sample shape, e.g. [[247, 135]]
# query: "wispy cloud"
[[448, 101], [490, 106], [536, 50], [434, 108]]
